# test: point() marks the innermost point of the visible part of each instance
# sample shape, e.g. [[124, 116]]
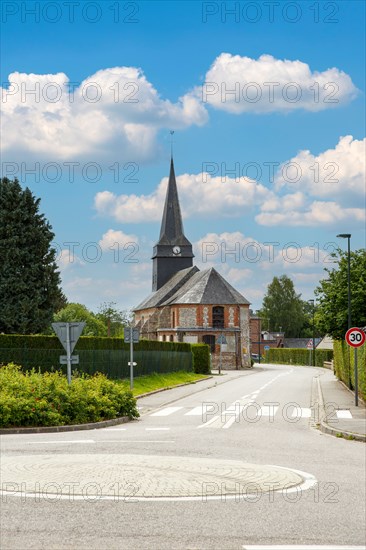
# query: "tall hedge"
[[298, 356], [344, 359], [96, 354], [201, 358]]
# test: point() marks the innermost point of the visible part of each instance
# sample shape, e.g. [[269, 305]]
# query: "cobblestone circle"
[[127, 475]]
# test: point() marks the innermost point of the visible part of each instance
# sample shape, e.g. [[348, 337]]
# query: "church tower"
[[173, 251]]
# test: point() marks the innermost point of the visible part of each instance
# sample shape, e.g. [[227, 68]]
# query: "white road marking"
[[267, 411], [344, 414], [116, 429], [60, 441], [205, 408], [167, 411], [301, 547], [300, 412]]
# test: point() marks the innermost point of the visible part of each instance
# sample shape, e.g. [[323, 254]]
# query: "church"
[[190, 305]]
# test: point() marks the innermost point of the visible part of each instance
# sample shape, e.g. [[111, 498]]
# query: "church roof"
[[156, 299], [206, 287], [192, 286], [171, 232]]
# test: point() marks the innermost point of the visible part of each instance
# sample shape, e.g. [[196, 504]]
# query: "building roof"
[[192, 286], [171, 232], [299, 343]]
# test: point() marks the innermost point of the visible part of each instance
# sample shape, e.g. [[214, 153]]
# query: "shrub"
[[201, 358], [35, 399], [297, 356], [344, 361]]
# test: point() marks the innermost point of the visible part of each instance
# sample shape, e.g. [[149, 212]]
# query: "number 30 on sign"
[[355, 337]]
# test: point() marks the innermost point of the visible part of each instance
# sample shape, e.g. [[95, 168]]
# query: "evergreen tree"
[[29, 280], [282, 308]]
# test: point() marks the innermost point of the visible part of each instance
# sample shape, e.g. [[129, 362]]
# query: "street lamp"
[[312, 303], [348, 237]]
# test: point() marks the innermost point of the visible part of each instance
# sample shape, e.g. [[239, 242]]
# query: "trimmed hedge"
[[35, 399], [343, 357], [297, 356], [201, 358], [96, 354]]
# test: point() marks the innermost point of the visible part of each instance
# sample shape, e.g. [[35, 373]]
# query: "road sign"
[[135, 335], [266, 348], [74, 359], [309, 345], [75, 330], [355, 337], [133, 363]]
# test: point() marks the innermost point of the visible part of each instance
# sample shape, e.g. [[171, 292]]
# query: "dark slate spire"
[[173, 252], [171, 231]]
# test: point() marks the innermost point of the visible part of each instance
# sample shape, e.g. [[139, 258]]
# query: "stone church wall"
[[187, 317]]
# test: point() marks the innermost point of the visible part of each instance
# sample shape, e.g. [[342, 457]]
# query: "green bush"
[[297, 356], [35, 399], [201, 358], [344, 359]]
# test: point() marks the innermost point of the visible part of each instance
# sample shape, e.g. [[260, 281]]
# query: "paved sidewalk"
[[341, 416]]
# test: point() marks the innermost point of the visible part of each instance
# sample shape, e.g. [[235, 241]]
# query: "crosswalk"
[[214, 415]]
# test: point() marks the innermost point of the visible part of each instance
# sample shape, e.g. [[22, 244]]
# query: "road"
[[237, 465]]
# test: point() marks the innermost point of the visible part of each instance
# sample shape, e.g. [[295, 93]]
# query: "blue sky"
[[273, 177]]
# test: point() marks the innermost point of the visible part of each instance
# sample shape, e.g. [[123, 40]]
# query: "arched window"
[[218, 317], [164, 338], [171, 338]]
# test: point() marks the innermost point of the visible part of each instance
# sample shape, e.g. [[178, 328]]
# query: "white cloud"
[[115, 110], [68, 259], [113, 238], [338, 172], [318, 213], [226, 198], [240, 84]]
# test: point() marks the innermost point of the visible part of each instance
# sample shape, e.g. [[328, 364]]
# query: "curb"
[[325, 428], [88, 425]]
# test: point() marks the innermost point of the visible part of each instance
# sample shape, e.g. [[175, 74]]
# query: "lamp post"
[[348, 237], [312, 303]]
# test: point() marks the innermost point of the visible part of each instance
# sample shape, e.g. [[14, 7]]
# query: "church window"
[[218, 317], [171, 338]]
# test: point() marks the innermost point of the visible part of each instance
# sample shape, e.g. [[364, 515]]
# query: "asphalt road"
[[191, 473]]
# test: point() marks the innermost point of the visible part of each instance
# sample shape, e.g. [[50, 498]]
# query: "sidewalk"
[[340, 415]]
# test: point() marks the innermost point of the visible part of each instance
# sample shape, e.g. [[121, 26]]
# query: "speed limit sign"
[[355, 337]]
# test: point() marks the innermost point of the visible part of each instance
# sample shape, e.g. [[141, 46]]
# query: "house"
[[190, 305]]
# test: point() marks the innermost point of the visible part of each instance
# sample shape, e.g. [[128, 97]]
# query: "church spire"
[[173, 252], [171, 231]]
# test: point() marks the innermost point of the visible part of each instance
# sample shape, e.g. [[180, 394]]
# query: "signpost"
[[68, 334], [355, 337], [221, 340], [131, 336], [310, 347]]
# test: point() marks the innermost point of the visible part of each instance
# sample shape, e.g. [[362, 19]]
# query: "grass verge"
[[155, 381]]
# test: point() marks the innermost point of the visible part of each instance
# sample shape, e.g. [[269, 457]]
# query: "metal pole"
[[356, 379], [131, 358], [313, 333], [68, 353], [259, 340], [349, 281], [220, 363]]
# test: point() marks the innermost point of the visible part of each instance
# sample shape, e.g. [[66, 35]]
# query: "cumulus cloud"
[[227, 198], [239, 84], [338, 172], [113, 238], [115, 110]]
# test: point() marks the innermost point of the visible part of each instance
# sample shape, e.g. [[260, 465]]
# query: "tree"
[[30, 289], [76, 313], [115, 320], [283, 309], [332, 294]]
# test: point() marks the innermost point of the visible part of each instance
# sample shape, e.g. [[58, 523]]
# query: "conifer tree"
[[30, 290]]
